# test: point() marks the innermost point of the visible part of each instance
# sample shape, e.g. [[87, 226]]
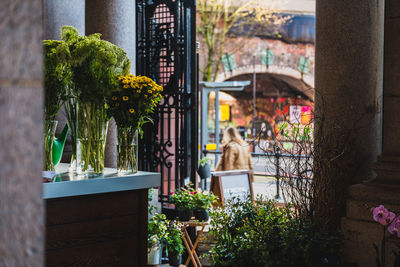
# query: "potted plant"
[[157, 234], [174, 243], [203, 200], [204, 169], [184, 202]]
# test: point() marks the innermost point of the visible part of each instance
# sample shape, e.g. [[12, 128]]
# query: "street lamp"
[[254, 102]]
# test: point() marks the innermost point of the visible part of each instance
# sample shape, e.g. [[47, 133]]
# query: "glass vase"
[[91, 138], [71, 115], [127, 150], [50, 127]]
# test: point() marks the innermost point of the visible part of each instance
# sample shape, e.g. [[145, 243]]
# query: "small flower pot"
[[170, 213], [204, 171], [174, 259], [154, 255], [185, 215], [201, 215]]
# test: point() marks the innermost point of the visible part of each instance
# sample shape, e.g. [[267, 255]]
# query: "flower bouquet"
[[131, 103], [94, 64]]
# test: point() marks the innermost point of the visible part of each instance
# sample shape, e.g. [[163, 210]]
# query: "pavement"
[[264, 182]]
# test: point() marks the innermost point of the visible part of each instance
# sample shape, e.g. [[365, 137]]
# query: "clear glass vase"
[[127, 151], [91, 138], [71, 115], [50, 127]]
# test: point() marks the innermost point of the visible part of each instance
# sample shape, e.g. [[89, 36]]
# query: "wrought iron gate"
[[166, 37]]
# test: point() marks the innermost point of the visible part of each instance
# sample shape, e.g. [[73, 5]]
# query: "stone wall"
[[21, 111]]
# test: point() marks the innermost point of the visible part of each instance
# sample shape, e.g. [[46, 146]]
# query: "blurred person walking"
[[235, 154]]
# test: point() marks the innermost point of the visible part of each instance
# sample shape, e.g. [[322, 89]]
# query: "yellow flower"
[[125, 98], [145, 96], [114, 98], [132, 110], [117, 104], [126, 86]]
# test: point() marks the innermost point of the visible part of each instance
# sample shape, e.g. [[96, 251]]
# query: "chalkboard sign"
[[229, 184]]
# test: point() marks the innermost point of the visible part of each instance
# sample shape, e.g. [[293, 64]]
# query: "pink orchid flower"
[[383, 216], [394, 227]]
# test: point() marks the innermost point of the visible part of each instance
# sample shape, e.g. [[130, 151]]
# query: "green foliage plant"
[[173, 240], [94, 64], [57, 76], [204, 161], [256, 233], [162, 231], [157, 230], [203, 200]]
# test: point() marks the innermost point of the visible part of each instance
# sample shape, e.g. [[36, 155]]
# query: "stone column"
[[348, 83], [348, 96], [348, 91], [359, 229], [116, 21], [21, 131], [58, 13], [388, 165]]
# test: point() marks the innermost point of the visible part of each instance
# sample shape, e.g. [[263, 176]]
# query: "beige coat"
[[235, 157]]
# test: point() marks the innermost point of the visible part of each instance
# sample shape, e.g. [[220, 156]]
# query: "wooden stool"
[[191, 249]]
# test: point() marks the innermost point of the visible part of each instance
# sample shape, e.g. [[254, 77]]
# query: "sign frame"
[[216, 183]]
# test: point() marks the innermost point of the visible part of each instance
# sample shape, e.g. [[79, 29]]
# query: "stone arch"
[[290, 82], [308, 79]]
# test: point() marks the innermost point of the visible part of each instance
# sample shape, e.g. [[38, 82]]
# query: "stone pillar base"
[[359, 230], [387, 169]]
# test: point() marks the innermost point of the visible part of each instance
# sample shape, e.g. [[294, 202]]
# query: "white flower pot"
[[154, 255]]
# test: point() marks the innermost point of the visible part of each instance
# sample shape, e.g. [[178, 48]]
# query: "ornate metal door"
[[166, 43]]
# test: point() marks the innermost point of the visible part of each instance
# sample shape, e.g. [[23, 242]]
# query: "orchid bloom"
[[382, 215], [394, 227]]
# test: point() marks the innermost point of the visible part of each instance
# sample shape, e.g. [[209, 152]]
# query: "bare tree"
[[222, 20], [306, 165]]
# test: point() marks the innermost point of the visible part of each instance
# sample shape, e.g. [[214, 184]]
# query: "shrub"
[[260, 234]]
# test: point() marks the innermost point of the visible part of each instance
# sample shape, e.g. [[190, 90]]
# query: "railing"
[[275, 160]]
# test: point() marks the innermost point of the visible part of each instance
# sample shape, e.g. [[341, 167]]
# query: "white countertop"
[[68, 185]]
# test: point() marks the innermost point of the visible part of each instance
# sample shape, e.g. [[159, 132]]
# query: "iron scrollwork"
[[166, 53]]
